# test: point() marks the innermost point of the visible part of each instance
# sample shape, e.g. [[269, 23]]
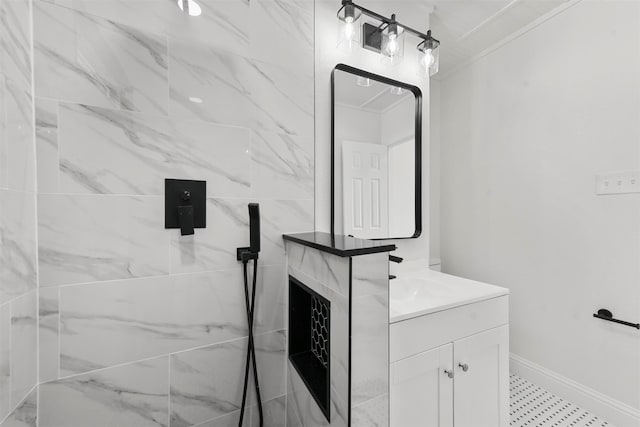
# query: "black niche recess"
[[310, 340]]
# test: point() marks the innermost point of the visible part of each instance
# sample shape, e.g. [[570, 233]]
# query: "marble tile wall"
[[140, 326], [370, 341], [328, 275], [366, 306], [18, 248]]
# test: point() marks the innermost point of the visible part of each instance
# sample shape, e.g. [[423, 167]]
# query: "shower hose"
[[251, 351]]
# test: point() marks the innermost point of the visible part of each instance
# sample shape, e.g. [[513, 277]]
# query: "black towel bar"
[[605, 314]]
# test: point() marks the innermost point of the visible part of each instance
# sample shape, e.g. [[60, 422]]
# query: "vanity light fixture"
[[190, 7], [348, 26], [392, 47], [430, 60], [387, 38], [364, 81]]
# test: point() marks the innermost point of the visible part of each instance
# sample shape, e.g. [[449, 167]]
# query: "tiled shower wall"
[[138, 325], [18, 272]]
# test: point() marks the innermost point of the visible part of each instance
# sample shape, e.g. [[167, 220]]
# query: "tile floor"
[[533, 406]]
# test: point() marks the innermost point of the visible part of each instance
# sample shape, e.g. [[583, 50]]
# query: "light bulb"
[[428, 59], [349, 31], [392, 45]]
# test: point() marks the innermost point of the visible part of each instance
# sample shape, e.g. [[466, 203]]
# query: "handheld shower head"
[[254, 228], [251, 252]]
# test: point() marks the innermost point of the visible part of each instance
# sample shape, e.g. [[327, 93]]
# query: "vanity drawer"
[[413, 336]]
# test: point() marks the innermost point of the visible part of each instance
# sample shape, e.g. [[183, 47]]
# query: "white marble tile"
[[370, 275], [5, 360], [302, 408], [223, 24], [284, 100], [274, 413], [87, 59], [120, 152], [111, 323], [24, 346], [282, 166], [128, 395], [373, 413], [47, 145], [209, 84], [94, 238], [369, 347], [214, 248], [15, 40], [271, 298], [207, 382], [271, 358], [19, 136], [370, 336], [17, 244], [49, 338], [230, 420], [26, 414], [212, 85], [282, 217], [330, 270], [282, 33], [4, 153]]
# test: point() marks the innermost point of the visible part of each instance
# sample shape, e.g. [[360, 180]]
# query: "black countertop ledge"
[[342, 246]]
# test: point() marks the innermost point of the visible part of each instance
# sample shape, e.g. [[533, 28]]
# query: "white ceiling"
[[376, 98], [467, 27]]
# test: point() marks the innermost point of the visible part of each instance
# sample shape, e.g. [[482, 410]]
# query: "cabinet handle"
[[449, 373], [464, 367]]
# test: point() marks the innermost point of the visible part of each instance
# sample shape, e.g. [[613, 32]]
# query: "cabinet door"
[[481, 389], [421, 390]]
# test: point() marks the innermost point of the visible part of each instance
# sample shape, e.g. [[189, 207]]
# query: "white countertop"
[[426, 291]]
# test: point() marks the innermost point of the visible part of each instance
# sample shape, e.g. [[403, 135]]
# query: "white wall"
[[412, 13], [524, 131], [434, 170], [397, 123]]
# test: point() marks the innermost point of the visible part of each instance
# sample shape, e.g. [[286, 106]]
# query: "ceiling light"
[[190, 7]]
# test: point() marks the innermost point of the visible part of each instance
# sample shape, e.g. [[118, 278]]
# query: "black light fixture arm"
[[385, 20]]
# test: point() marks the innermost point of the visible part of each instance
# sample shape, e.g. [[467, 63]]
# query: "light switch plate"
[[621, 182]]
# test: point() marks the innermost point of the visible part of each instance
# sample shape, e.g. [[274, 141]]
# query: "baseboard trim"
[[611, 410]]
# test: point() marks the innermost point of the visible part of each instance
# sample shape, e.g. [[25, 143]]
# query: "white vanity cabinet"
[[450, 363]]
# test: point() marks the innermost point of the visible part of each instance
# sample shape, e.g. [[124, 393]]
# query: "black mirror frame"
[[418, 142]]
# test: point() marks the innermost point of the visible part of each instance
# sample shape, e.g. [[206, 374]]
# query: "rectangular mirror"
[[376, 147]]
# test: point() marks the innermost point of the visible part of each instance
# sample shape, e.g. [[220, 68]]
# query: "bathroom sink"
[[427, 291]]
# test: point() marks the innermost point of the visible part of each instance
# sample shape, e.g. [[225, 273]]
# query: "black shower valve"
[[185, 205]]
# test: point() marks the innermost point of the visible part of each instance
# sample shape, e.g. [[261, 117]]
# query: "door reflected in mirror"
[[376, 156]]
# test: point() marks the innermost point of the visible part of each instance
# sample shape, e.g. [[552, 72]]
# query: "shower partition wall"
[[139, 326]]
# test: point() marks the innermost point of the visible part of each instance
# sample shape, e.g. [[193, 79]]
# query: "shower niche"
[[310, 341]]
